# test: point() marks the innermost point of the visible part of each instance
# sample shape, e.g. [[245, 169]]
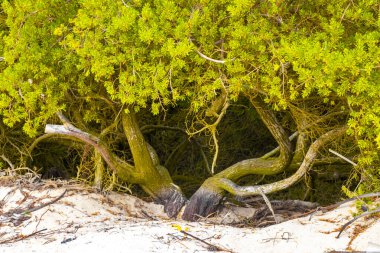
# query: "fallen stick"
[[333, 206], [367, 195], [21, 237], [212, 247], [267, 202], [20, 213], [343, 157], [30, 210], [354, 219]]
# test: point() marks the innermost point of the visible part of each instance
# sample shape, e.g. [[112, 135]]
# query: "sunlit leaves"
[[146, 54], [34, 75]]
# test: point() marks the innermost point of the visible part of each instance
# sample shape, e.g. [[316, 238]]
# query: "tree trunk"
[[156, 180], [208, 197], [147, 172], [99, 170]]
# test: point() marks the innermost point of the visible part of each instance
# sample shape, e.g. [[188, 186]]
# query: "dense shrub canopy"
[[159, 54]]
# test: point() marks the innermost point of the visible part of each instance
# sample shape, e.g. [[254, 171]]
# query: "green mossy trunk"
[[153, 178], [146, 171], [99, 170]]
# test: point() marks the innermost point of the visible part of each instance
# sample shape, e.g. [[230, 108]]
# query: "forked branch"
[[269, 119], [310, 156], [124, 170]]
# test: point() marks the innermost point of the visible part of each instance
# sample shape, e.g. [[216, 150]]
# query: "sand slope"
[[86, 221]]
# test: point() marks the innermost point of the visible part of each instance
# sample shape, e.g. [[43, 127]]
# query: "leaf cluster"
[[155, 54]]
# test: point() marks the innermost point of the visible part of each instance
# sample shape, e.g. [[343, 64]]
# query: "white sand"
[[91, 222]]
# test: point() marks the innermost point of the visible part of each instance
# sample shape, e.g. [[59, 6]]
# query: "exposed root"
[[203, 203], [172, 199]]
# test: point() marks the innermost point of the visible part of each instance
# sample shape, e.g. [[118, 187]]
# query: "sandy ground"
[[86, 221]]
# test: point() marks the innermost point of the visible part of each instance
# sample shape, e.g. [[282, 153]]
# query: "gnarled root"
[[205, 201], [208, 197], [172, 199]]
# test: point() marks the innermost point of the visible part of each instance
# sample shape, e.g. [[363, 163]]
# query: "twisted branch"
[[310, 156]]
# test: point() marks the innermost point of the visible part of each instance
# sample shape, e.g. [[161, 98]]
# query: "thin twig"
[[8, 194], [333, 206], [204, 157], [21, 237], [275, 150], [30, 210], [210, 59], [148, 215], [295, 134], [125, 4], [146, 128], [357, 217], [268, 204], [212, 246], [40, 218], [8, 161], [344, 12], [215, 158], [367, 195], [285, 236], [343, 157], [46, 204]]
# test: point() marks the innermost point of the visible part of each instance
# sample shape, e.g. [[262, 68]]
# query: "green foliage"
[[37, 73], [146, 54], [137, 52]]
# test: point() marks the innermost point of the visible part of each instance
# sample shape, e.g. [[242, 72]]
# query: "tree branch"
[[278, 133], [297, 134], [277, 149], [312, 153], [267, 202], [176, 154], [124, 170], [320, 162], [146, 128], [210, 59], [354, 219], [70, 127], [343, 157], [263, 166], [7, 161]]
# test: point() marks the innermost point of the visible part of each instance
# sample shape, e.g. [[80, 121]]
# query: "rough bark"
[[267, 165], [172, 198]]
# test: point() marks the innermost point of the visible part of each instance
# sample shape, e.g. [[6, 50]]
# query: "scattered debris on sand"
[[58, 216]]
